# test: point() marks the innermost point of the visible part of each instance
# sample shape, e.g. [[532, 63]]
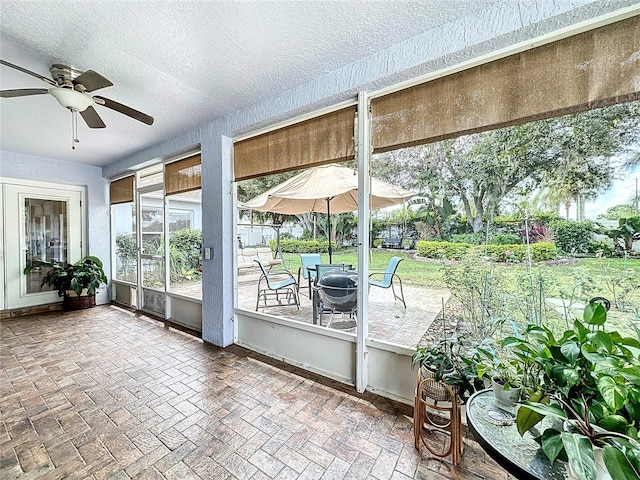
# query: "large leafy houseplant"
[[590, 379], [86, 273]]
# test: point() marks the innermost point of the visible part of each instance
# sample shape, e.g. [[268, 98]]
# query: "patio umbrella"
[[325, 189]]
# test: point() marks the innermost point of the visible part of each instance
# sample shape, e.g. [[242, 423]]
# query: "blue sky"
[[622, 191]]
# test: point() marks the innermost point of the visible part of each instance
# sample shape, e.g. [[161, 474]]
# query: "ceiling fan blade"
[[29, 72], [22, 92], [91, 81], [92, 118], [118, 107]]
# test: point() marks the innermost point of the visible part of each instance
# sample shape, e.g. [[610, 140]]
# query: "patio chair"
[[307, 260], [387, 279], [283, 290]]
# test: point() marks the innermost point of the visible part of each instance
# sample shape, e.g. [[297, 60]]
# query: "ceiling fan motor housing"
[[63, 74]]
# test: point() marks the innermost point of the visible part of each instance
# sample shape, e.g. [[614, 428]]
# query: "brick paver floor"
[[108, 393]]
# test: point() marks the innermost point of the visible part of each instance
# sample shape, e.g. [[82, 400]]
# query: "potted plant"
[[590, 382], [451, 361], [76, 283], [505, 373]]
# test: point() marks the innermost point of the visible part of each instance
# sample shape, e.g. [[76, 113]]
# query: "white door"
[[40, 224], [2, 244]]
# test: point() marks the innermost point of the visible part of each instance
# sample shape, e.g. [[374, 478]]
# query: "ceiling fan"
[[70, 88]]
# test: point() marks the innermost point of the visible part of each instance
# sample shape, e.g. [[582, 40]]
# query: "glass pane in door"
[[125, 244], [152, 240], [185, 243], [45, 227]]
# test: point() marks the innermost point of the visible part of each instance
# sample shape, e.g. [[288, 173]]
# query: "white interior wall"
[[329, 353], [29, 167]]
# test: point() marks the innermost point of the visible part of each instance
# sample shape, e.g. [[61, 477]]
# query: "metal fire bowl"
[[338, 289]]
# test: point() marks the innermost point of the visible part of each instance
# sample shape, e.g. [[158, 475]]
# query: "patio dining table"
[[315, 298], [493, 426]]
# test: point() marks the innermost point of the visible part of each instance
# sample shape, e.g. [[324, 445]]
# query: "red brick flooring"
[[107, 393]]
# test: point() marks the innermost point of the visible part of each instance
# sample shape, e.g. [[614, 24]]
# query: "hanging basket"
[[74, 302]]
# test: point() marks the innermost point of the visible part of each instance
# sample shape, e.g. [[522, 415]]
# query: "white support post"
[[363, 156]]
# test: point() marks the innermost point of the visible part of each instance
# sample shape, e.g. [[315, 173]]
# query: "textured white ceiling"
[[185, 63]]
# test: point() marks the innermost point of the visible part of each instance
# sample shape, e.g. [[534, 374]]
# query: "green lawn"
[[616, 279], [413, 272], [425, 273]]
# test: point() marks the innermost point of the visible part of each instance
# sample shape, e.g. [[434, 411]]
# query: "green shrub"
[[602, 248], [471, 238], [505, 239], [505, 225], [377, 242], [185, 254], [189, 243], [573, 237], [448, 250], [480, 238], [126, 247], [540, 251], [455, 251], [300, 246]]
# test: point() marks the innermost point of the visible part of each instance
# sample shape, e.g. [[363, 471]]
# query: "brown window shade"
[[121, 191], [593, 69], [324, 139], [183, 176]]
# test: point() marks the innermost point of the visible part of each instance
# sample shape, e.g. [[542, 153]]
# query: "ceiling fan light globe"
[[69, 98]]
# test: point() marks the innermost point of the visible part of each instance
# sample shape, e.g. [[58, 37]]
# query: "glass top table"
[[315, 298], [493, 425]]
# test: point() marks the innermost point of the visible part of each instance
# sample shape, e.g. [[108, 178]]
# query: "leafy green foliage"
[[573, 237], [455, 251], [453, 361], [480, 291], [450, 251], [592, 376], [126, 252], [568, 156], [85, 273], [627, 232], [301, 246], [619, 211], [185, 254], [527, 418]]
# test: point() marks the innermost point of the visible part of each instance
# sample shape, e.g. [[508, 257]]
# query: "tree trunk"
[[580, 208], [477, 224]]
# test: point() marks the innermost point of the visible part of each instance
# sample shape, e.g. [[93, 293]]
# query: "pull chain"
[[74, 128]]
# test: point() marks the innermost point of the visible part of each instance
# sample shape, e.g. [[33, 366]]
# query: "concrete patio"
[[388, 319]]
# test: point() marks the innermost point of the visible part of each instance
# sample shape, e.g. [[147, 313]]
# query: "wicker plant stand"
[[437, 423]]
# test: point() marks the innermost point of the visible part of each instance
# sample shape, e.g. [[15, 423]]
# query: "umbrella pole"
[[329, 230]]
